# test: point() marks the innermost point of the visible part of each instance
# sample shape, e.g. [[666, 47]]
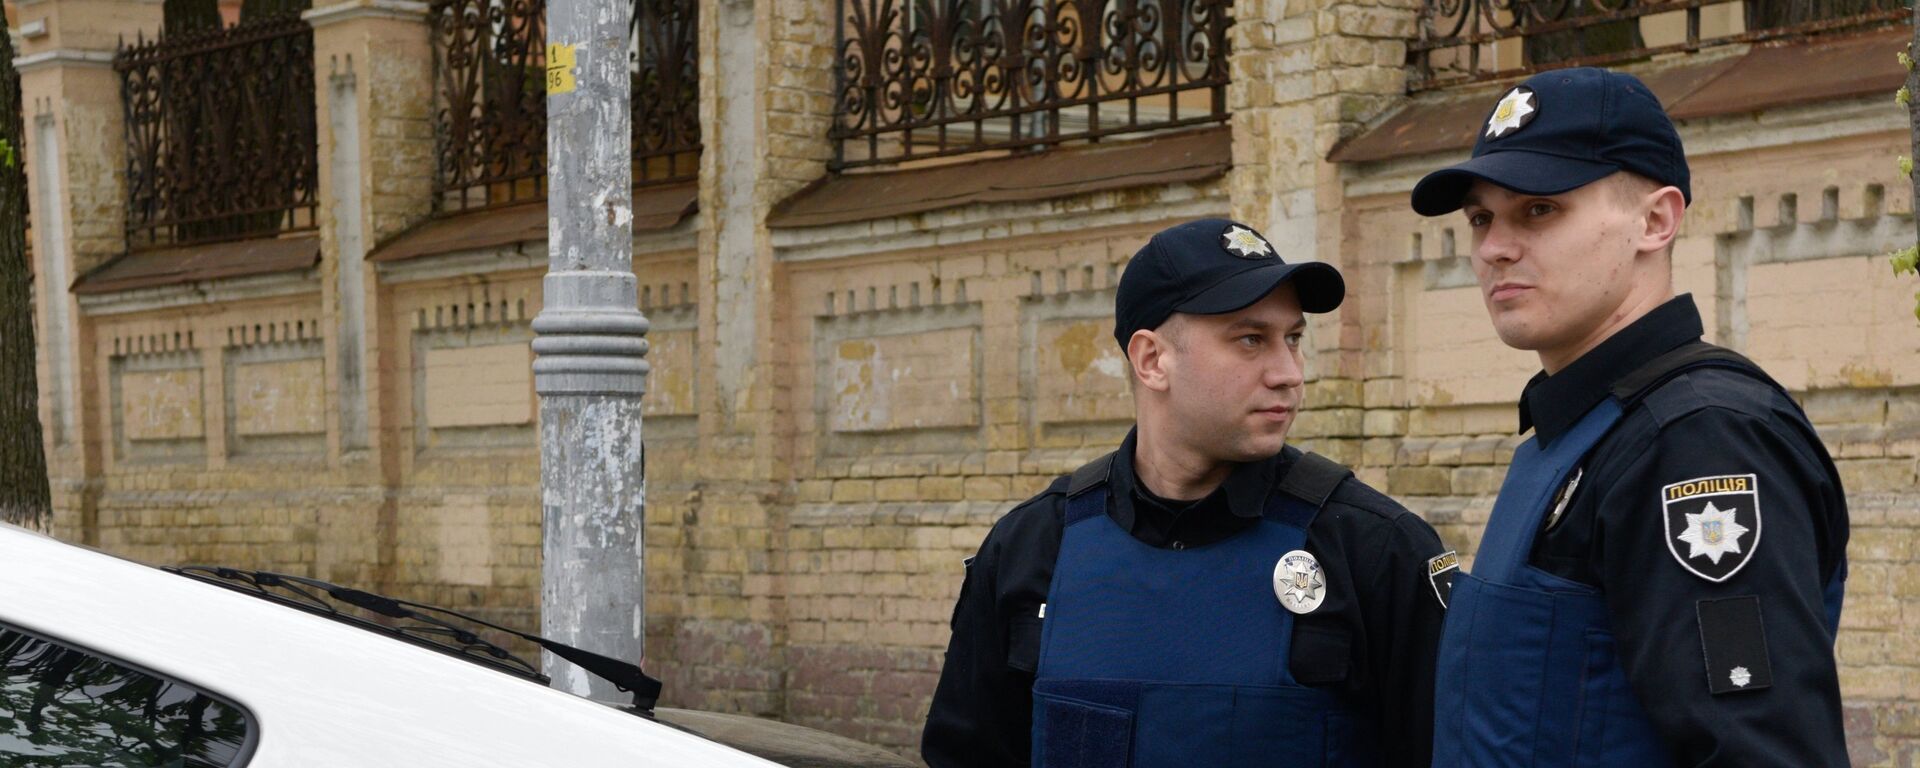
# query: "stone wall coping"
[[1706, 85], [1723, 134], [656, 209], [1186, 156], [63, 57], [404, 10], [519, 257], [980, 223], [175, 265], [465, 264], [200, 293]]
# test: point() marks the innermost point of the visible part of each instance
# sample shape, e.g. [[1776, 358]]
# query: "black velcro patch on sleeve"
[[1735, 641], [1023, 643]]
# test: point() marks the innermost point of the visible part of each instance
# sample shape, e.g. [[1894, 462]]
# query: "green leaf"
[[7, 159], [1906, 61], [1906, 166], [1906, 261], [1903, 96]]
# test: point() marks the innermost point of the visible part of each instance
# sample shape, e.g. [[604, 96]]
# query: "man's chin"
[[1514, 334], [1256, 448]]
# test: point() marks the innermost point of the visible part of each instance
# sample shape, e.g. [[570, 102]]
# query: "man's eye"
[[1479, 219], [1539, 209], [1293, 339], [1250, 340]]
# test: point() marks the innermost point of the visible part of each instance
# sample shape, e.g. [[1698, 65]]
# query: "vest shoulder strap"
[[1090, 475], [1313, 478], [1636, 386]]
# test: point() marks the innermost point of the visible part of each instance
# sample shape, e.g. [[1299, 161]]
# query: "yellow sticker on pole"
[[560, 61]]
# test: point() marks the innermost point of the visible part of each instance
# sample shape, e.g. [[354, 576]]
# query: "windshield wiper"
[[443, 630]]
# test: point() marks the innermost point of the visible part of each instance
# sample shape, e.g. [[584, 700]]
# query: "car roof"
[[322, 692]]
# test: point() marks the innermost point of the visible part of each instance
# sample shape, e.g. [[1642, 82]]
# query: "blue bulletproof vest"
[[1155, 658], [1528, 674]]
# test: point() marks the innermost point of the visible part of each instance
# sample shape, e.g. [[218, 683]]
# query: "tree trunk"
[[25, 498], [1913, 107]]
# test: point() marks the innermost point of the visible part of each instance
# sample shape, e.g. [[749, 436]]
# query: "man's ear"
[[1664, 209], [1148, 353]]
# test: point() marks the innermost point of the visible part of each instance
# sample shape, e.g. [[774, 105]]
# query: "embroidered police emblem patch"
[[1713, 523], [1440, 572], [1298, 582], [1515, 110], [1245, 243]]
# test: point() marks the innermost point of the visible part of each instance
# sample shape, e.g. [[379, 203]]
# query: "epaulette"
[[1636, 386], [1313, 478], [1090, 474]]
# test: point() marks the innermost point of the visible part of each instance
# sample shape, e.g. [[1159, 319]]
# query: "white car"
[[108, 663]]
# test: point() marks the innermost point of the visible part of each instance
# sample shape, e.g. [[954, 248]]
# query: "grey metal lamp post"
[[590, 348]]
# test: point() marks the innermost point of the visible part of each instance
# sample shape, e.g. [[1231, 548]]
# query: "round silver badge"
[[1298, 582]]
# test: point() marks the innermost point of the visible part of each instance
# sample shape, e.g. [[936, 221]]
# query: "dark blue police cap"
[[1562, 130], [1211, 267]]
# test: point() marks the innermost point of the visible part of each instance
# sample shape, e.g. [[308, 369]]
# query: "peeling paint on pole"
[[590, 351]]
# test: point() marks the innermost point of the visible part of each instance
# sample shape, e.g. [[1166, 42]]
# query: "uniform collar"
[[1245, 489], [1550, 405]]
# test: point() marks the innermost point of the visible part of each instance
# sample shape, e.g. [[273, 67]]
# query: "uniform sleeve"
[[982, 710], [1405, 615], [1711, 556]]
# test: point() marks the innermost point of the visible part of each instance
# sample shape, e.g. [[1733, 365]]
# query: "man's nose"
[[1496, 244], [1285, 371]]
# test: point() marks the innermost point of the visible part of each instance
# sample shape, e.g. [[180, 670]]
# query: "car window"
[[62, 707]]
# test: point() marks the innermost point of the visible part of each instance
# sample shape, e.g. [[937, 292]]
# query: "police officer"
[[1205, 595], [1660, 581]]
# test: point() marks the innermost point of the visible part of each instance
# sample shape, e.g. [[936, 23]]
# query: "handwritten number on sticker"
[[560, 61]]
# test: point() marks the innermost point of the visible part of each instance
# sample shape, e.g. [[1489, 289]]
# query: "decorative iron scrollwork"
[[665, 62], [220, 133], [492, 112], [492, 117], [1459, 39], [932, 78]]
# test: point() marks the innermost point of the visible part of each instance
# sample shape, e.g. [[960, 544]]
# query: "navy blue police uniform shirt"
[[1374, 639], [1712, 518]]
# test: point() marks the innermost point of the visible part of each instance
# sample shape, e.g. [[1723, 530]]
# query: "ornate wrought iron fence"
[[1459, 39], [220, 133], [492, 117], [932, 78], [666, 91], [492, 127]]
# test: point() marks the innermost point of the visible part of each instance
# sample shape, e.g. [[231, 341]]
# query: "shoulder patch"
[[1712, 523], [1441, 569]]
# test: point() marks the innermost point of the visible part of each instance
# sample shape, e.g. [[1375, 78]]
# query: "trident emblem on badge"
[[1298, 583]]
